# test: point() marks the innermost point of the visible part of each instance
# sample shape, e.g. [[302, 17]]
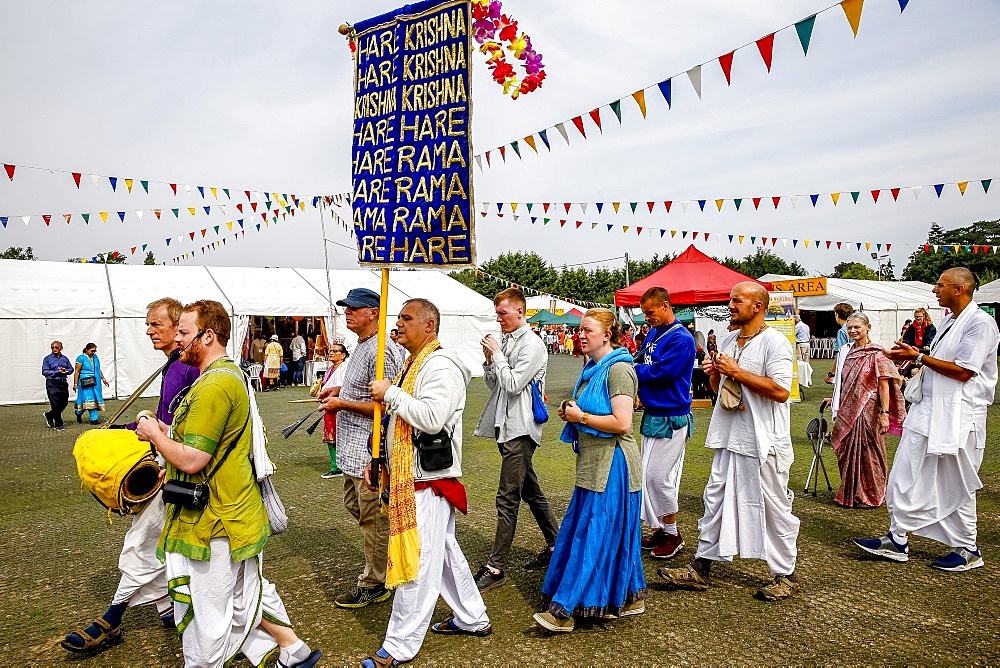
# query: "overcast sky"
[[258, 96]]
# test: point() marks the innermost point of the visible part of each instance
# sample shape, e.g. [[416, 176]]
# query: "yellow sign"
[[802, 287]]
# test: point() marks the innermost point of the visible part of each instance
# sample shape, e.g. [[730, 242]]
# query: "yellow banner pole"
[[383, 306]]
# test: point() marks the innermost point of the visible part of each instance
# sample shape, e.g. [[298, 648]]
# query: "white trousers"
[[218, 605], [144, 578], [748, 511], [934, 496], [662, 464], [443, 571]]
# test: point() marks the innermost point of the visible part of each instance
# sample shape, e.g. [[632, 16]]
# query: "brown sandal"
[[108, 637]]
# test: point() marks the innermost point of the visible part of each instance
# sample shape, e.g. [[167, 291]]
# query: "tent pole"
[[326, 266]]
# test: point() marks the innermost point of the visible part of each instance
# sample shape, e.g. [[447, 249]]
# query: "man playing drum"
[[143, 575]]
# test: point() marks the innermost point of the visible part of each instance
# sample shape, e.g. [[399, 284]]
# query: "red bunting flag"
[[887, 246], [567, 205], [756, 202], [191, 234], [776, 200], [766, 46], [578, 122], [773, 240], [875, 194], [503, 153], [650, 205], [253, 205], [10, 171], [47, 218], [76, 178], [726, 62], [562, 223], [895, 193], [545, 206], [638, 231], [247, 193], [667, 205], [239, 207], [596, 115], [173, 186], [578, 224]]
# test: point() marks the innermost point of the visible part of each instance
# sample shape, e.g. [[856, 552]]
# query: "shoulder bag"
[[539, 411]]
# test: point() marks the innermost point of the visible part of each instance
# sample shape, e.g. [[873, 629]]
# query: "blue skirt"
[[596, 566]]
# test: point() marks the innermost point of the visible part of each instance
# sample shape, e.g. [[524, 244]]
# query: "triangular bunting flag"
[[775, 200], [718, 203], [47, 218], [616, 107], [737, 202], [104, 216], [201, 189], [76, 179], [962, 185], [113, 180], [814, 199], [902, 5], [96, 179], [609, 227], [596, 116], [804, 29], [208, 210], [855, 194], [121, 216], [664, 87], [10, 172], [26, 220], [666, 205], [766, 46], [742, 237], [835, 197], [544, 135], [701, 204], [640, 99], [875, 194], [516, 148], [916, 191], [726, 62], [938, 188], [895, 193], [578, 122], [67, 217], [616, 205], [503, 156], [756, 202], [852, 10], [562, 130], [145, 186], [139, 213], [191, 209], [600, 207], [128, 184], [986, 184], [530, 141], [684, 234], [650, 205], [86, 218], [215, 193], [479, 161], [633, 205], [694, 74], [638, 231]]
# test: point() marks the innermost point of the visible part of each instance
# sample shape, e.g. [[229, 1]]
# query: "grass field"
[[59, 566]]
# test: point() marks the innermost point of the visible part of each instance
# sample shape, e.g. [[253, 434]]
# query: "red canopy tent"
[[691, 278]]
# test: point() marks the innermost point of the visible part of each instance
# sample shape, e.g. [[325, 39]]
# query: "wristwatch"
[[585, 419], [920, 359]]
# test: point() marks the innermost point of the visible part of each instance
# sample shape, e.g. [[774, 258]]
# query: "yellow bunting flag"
[[128, 184], [962, 185], [852, 9], [868, 247], [718, 203], [836, 198], [530, 141], [104, 216], [616, 205], [230, 225], [741, 238], [625, 228], [806, 242], [640, 98], [513, 207], [673, 233], [215, 192], [191, 209]]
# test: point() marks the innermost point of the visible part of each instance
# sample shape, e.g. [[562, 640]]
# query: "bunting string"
[[738, 239], [764, 46], [742, 203]]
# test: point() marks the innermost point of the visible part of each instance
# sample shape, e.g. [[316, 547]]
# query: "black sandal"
[[447, 627], [108, 637]]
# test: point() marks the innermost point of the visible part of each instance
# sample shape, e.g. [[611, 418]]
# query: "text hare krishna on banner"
[[412, 129]]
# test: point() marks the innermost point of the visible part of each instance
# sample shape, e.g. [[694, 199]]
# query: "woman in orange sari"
[[867, 404]]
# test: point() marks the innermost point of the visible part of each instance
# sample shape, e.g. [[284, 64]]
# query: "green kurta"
[[593, 462], [209, 418]]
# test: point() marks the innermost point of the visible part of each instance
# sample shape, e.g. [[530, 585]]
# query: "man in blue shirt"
[[56, 367], [663, 365]]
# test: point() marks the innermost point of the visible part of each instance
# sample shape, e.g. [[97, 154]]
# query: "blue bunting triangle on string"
[[814, 198], [600, 206], [545, 138], [664, 87], [114, 183], [938, 188]]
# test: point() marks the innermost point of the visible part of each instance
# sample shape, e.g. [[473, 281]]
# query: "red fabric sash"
[[451, 489], [918, 333]]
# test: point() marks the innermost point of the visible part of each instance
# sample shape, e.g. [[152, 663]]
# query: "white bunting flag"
[[694, 74]]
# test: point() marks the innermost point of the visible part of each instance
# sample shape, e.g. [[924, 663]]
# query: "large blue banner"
[[412, 159]]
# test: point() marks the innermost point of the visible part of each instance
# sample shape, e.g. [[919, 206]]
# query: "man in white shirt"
[[935, 473], [299, 353], [748, 507]]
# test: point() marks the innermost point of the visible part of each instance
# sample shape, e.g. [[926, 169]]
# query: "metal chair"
[[254, 371], [816, 431]]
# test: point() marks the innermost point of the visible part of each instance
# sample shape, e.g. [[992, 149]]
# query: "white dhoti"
[[748, 512], [662, 464], [443, 571], [144, 577], [218, 606], [934, 496]]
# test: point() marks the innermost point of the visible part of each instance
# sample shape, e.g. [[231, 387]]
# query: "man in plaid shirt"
[[355, 407]]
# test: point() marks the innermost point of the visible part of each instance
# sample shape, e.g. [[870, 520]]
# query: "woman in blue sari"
[[87, 382], [596, 566]]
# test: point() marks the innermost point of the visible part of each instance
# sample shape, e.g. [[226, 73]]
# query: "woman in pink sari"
[[867, 404]]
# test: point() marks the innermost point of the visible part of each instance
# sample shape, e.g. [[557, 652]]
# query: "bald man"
[[748, 507], [935, 474]]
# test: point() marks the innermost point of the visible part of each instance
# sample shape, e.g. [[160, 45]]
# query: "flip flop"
[[447, 627]]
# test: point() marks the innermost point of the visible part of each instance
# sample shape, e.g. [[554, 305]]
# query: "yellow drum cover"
[[117, 468]]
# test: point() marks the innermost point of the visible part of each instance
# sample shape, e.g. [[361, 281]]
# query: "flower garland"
[[487, 22]]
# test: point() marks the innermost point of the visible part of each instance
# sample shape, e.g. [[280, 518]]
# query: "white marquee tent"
[[888, 304], [988, 294], [106, 304]]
